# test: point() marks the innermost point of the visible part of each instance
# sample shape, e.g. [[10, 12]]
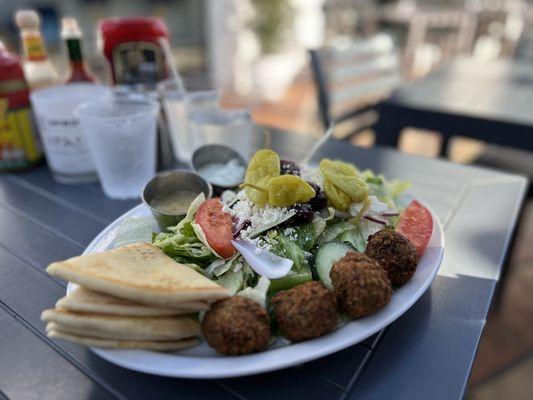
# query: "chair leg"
[[387, 131], [506, 267], [445, 145]]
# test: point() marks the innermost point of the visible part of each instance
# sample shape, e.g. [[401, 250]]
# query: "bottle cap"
[[70, 28], [27, 19]]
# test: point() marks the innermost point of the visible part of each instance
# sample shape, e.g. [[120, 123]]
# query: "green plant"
[[272, 19]]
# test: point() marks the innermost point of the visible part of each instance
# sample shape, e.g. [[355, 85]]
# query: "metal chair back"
[[352, 77]]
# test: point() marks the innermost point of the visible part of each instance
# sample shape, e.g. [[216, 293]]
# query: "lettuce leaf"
[[303, 235], [358, 236], [201, 236], [191, 212], [133, 230], [232, 280], [285, 247], [319, 225], [219, 267], [355, 238], [384, 190], [234, 274], [184, 251], [257, 293], [333, 229], [300, 272], [181, 242], [263, 228]]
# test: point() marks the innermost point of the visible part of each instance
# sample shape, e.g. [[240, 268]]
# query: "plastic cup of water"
[[121, 136], [229, 127], [66, 152], [175, 107]]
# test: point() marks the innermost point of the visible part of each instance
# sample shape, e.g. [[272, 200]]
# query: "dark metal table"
[[427, 353], [490, 101]]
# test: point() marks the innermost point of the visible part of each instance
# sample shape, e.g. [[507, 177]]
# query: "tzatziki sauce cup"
[[169, 194]]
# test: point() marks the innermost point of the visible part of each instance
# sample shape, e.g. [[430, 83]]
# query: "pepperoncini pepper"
[[264, 184], [342, 184], [285, 190], [263, 166]]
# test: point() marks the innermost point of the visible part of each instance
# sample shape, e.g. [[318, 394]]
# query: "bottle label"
[[74, 50], [19, 147], [34, 47], [138, 62], [64, 145]]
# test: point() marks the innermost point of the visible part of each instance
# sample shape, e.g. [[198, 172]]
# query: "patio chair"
[[351, 77]]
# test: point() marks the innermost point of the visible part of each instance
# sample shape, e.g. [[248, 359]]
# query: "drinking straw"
[[266, 143], [171, 62], [167, 158], [318, 144]]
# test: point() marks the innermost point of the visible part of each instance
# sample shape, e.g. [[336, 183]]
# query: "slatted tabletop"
[[499, 90], [489, 101], [428, 352]]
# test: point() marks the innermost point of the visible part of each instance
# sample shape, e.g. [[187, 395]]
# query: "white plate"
[[203, 362]]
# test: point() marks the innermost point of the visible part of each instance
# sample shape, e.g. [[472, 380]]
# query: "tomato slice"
[[217, 226], [416, 224]]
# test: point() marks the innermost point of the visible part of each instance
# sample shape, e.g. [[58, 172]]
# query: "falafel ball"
[[306, 311], [235, 326], [395, 253], [360, 284]]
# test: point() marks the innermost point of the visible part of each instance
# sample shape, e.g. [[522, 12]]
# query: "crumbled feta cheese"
[[228, 196], [290, 233], [263, 242], [312, 174], [244, 209]]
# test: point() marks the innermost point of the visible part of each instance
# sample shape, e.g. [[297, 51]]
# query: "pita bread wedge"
[[126, 344], [134, 328], [100, 333], [89, 301], [139, 272]]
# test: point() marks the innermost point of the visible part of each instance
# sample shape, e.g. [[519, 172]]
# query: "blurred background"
[[258, 53]]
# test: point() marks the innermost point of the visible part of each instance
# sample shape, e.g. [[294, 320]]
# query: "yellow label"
[[34, 47], [18, 144]]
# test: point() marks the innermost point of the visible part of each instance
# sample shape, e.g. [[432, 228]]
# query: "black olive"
[[304, 213], [314, 186], [319, 201], [241, 228]]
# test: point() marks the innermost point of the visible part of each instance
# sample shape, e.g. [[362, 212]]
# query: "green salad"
[[287, 210]]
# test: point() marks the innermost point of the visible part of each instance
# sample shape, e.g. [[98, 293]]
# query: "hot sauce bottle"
[[71, 34], [38, 69], [131, 45], [19, 145]]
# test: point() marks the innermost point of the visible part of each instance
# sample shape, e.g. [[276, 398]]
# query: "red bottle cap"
[[130, 29]]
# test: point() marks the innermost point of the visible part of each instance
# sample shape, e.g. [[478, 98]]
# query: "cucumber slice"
[[326, 256]]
